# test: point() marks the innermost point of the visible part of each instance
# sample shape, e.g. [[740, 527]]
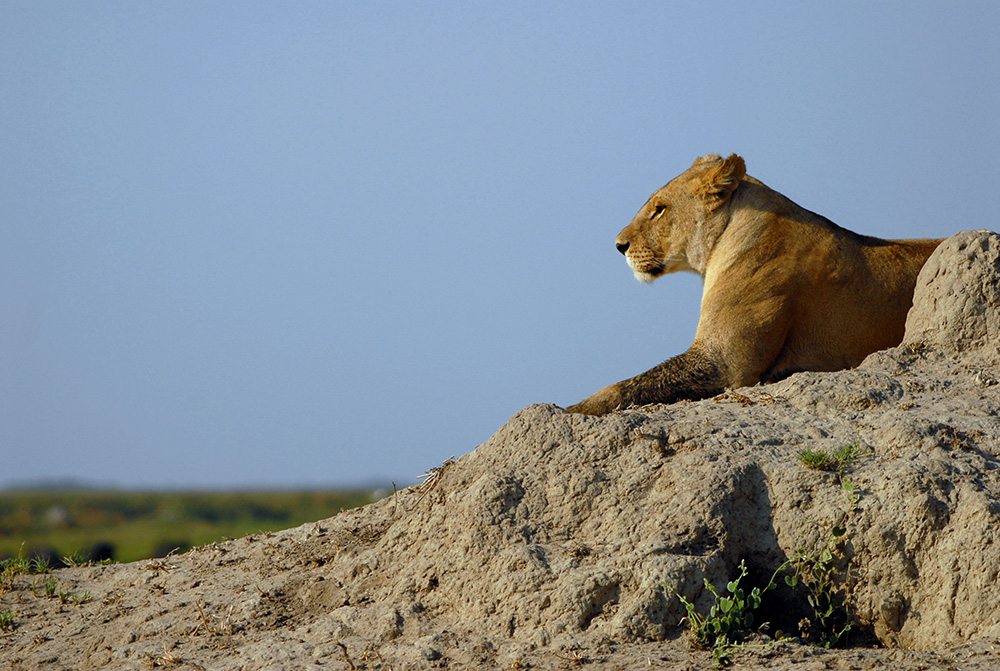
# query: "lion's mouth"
[[647, 270]]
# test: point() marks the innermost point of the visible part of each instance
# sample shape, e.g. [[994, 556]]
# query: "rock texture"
[[552, 541], [956, 299]]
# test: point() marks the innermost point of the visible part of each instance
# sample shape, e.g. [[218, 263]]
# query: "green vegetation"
[[45, 529], [729, 618], [830, 620], [7, 622], [50, 590], [10, 569], [838, 461]]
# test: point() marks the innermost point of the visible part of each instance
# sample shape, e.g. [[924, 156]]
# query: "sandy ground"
[[178, 613]]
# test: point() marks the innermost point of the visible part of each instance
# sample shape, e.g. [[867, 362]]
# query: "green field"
[[138, 525]]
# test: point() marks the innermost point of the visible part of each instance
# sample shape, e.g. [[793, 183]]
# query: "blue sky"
[[307, 244]]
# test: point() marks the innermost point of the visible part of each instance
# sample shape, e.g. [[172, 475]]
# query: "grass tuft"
[[838, 461]]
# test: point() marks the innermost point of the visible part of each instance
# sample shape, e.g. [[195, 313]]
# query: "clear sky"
[[288, 244]]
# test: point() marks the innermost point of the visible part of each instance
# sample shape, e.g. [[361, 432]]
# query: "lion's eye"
[[658, 210]]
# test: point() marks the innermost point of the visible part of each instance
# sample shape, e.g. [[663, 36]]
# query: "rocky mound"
[[563, 538]]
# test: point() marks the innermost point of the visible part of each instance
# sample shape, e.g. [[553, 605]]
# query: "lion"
[[785, 289]]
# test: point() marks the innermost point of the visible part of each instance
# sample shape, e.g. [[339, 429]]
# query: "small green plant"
[[49, 589], [731, 616], [728, 619], [7, 622], [16, 565], [837, 461], [19, 565], [40, 565], [853, 495], [78, 558], [10, 569], [817, 460], [831, 621]]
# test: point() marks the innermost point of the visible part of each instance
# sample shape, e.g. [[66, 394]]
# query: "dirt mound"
[[560, 539], [955, 303]]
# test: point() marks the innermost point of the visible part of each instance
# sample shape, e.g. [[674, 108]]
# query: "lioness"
[[785, 289]]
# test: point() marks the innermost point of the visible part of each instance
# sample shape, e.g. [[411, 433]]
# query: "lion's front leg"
[[601, 403], [692, 375]]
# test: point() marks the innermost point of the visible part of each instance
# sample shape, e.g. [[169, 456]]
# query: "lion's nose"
[[621, 247]]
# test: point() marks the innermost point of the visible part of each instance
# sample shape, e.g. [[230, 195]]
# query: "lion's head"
[[678, 225]]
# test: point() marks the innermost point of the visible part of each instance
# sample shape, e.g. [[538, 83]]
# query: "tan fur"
[[785, 289]]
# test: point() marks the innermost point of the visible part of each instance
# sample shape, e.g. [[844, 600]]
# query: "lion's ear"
[[707, 158], [720, 182]]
